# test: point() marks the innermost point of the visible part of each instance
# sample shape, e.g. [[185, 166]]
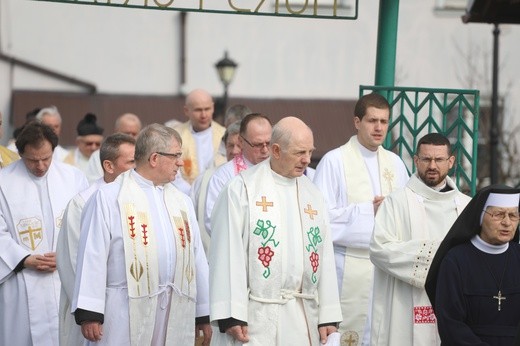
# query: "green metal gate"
[[418, 111]]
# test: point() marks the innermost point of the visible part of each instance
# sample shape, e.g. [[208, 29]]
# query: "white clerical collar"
[[143, 181], [488, 248], [367, 153], [199, 133], [440, 187]]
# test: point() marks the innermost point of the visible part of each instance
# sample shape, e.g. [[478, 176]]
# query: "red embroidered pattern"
[[145, 236], [188, 232], [423, 314], [132, 228], [181, 233], [265, 255], [314, 257]]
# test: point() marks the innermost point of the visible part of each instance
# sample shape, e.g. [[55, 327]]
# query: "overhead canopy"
[[492, 11]]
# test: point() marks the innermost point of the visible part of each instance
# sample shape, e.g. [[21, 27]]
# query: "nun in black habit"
[[474, 280]]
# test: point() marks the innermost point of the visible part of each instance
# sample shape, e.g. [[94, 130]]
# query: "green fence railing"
[[418, 111]]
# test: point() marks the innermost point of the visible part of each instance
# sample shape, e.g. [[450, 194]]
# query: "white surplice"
[[352, 224], [267, 230], [102, 281], [66, 253], [31, 211], [409, 226]]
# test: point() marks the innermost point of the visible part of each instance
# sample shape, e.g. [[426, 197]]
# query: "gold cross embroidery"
[[310, 211], [33, 235], [264, 204], [389, 177]]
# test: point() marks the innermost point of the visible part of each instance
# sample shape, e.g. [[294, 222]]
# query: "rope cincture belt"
[[286, 295]]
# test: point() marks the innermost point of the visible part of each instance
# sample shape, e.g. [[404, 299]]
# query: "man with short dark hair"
[[34, 192], [409, 226], [355, 178], [117, 155], [141, 273]]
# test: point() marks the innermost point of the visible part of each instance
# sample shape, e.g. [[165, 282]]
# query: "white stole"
[[265, 261], [142, 265], [423, 318], [27, 217], [357, 177]]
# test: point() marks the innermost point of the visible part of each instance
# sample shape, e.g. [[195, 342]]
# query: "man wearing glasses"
[[90, 136], [409, 226], [254, 137], [141, 272]]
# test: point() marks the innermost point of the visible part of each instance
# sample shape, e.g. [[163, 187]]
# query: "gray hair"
[[51, 110], [110, 147], [235, 113], [233, 129], [154, 138]]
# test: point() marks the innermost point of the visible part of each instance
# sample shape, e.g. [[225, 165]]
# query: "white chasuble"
[[140, 247], [363, 184], [32, 210], [410, 225], [288, 260]]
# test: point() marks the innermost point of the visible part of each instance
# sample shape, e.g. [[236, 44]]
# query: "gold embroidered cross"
[[264, 204], [389, 177], [310, 211], [34, 234]]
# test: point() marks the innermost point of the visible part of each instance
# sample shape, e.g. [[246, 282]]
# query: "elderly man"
[[6, 156], [474, 278], [89, 139], [141, 273], [201, 135], [117, 155], [127, 123], [355, 178], [272, 278], [34, 192], [51, 117], [409, 227], [254, 138]]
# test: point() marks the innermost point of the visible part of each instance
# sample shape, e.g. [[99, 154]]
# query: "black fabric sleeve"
[[202, 320], [333, 324], [227, 323], [82, 316], [20, 265]]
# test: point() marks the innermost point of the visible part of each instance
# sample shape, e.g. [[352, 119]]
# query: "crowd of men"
[[204, 234]]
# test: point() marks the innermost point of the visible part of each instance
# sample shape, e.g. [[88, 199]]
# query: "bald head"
[[128, 123], [292, 145], [199, 109]]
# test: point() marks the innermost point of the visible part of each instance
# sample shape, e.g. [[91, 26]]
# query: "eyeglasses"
[[256, 146], [176, 156], [501, 215], [437, 160], [90, 143]]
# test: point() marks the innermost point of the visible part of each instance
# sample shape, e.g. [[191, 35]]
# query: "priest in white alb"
[[409, 226], [141, 273], [34, 192], [117, 156], [254, 137], [272, 279], [355, 178]]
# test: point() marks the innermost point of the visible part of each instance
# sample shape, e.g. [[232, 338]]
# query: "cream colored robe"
[[406, 237], [191, 170], [267, 231]]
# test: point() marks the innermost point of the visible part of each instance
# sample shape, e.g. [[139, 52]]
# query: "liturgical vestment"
[[31, 212], [409, 227], [279, 274], [141, 263]]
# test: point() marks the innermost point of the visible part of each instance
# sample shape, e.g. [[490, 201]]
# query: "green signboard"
[[328, 9]]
